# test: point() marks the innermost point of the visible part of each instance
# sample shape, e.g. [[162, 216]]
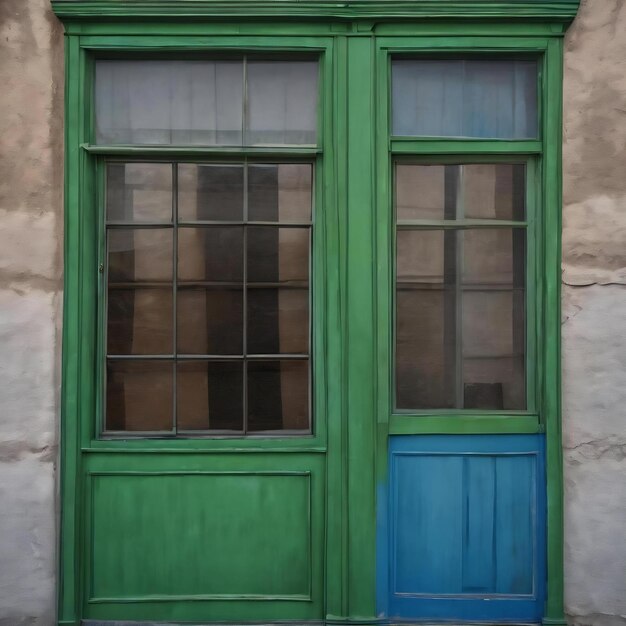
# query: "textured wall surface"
[[31, 143], [594, 310], [594, 314]]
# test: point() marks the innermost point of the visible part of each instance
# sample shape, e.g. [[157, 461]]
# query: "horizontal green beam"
[[463, 424], [402, 145], [469, 223], [199, 152], [545, 10]]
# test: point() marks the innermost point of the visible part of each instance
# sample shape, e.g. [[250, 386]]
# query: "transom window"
[[243, 101]]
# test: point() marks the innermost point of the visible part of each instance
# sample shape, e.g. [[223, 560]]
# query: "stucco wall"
[[594, 310], [31, 142], [594, 314]]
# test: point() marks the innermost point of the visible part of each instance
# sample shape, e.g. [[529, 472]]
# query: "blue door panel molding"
[[466, 528]]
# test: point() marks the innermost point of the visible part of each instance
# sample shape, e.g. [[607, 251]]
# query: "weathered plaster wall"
[[594, 310], [594, 314], [31, 99]]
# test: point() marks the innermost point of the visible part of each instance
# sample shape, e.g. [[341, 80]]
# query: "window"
[[461, 237], [208, 263]]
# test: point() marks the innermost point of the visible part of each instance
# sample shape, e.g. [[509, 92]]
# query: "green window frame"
[[352, 255]]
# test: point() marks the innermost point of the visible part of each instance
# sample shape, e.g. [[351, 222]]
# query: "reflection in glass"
[[456, 191], [169, 102], [139, 255], [282, 102], [460, 319], [210, 254], [210, 192], [464, 98], [279, 192], [139, 395], [278, 321], [278, 255], [140, 321], [139, 192], [209, 395], [210, 321], [278, 396]]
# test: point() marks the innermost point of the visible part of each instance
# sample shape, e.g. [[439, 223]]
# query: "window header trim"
[[507, 10]]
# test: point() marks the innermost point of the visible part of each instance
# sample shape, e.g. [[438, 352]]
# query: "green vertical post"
[[361, 362], [552, 106], [336, 466]]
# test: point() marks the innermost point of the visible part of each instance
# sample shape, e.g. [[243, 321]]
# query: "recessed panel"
[[180, 536]]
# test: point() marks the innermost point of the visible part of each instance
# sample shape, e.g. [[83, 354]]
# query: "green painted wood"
[[224, 536], [549, 10], [360, 332], [463, 424], [336, 349], [550, 357]]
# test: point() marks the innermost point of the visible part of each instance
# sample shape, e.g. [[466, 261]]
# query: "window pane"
[[139, 192], [210, 254], [169, 102], [209, 395], [422, 343], [493, 319], [460, 319], [278, 255], [209, 321], [457, 191], [140, 309], [139, 395], [278, 321], [278, 395], [279, 193], [495, 192], [282, 102], [464, 98], [140, 255], [210, 192], [140, 321]]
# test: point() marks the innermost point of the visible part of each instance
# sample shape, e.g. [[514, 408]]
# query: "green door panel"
[[222, 539]]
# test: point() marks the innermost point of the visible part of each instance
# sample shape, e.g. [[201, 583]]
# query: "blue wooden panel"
[[466, 528]]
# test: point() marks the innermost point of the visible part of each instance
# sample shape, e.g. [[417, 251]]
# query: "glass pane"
[[210, 192], [422, 301], [278, 256], [493, 318], [139, 192], [140, 321], [464, 98], [139, 396], [278, 321], [140, 255], [495, 192], [209, 395], [472, 190], [169, 102], [460, 319], [282, 102], [210, 254], [278, 395], [420, 192], [209, 321], [279, 193]]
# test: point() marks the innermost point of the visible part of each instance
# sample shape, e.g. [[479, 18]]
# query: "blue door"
[[464, 534]]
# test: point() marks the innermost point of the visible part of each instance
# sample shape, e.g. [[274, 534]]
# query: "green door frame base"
[[342, 465]]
